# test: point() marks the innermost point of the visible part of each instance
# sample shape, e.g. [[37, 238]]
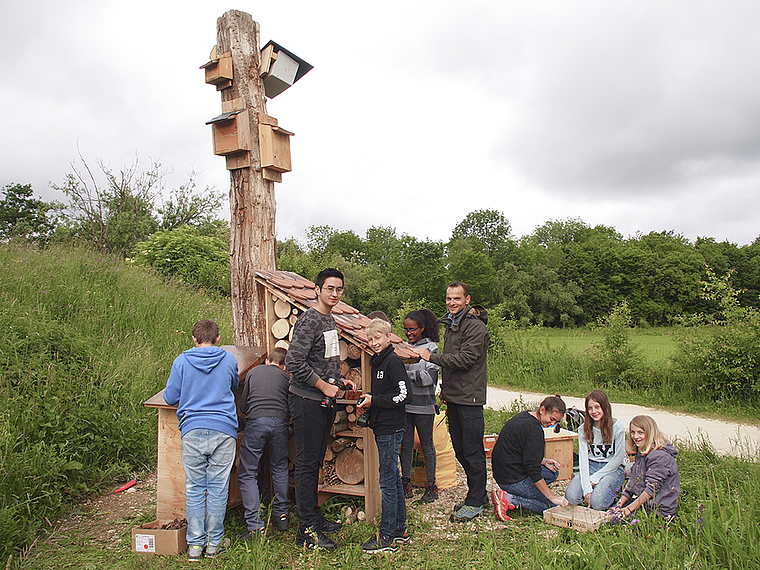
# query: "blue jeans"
[[207, 456], [257, 433], [393, 517], [604, 493], [525, 493]]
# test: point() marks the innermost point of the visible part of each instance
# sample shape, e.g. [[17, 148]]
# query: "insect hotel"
[[351, 462]]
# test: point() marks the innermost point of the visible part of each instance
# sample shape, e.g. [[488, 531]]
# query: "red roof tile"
[[300, 292]]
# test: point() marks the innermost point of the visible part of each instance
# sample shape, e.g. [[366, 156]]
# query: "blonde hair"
[[653, 436], [378, 325]]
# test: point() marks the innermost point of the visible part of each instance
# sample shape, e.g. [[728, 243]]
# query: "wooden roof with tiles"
[[300, 292]]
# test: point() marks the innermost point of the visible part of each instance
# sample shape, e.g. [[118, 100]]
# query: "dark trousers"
[[257, 433], [467, 426], [424, 425], [312, 424]]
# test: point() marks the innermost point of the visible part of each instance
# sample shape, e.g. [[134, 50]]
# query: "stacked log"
[[283, 317]]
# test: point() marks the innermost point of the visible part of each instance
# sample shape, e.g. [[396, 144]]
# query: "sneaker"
[[194, 553], [466, 514], [462, 504], [312, 537], [379, 544], [502, 504], [402, 537], [253, 535], [281, 523], [431, 494], [328, 527], [408, 492], [212, 551]]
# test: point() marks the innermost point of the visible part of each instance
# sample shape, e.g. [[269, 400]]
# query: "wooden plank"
[[559, 446], [372, 498], [170, 491], [272, 175], [268, 56], [238, 160]]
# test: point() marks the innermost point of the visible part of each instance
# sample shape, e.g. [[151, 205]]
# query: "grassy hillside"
[[85, 341]]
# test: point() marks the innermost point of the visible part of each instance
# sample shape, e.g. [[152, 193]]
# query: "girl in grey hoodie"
[[654, 483]]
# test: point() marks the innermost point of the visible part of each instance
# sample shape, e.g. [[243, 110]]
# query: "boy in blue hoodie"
[[202, 384]]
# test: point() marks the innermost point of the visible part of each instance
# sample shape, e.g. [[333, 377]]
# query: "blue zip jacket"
[[202, 385]]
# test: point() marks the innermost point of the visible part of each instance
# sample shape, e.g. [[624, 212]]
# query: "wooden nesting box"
[[559, 446], [274, 142], [218, 71], [231, 132], [170, 493]]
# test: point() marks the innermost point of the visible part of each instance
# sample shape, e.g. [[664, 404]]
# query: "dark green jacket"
[[463, 362]]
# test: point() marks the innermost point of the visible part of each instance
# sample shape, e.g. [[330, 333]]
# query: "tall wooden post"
[[252, 202]]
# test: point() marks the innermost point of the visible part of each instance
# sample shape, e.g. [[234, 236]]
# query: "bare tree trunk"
[[252, 203]]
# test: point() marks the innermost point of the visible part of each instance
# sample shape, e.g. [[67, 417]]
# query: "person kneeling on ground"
[[519, 465], [654, 483]]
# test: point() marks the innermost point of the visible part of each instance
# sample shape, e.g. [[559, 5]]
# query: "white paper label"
[[145, 543]]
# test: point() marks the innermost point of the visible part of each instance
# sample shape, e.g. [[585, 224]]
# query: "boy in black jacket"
[[387, 417]]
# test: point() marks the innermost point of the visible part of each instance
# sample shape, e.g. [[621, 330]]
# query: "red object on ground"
[[126, 486]]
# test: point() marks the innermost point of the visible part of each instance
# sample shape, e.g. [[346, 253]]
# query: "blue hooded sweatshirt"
[[202, 384]]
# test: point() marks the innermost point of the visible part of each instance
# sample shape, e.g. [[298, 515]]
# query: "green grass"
[[716, 528], [86, 340], [563, 362]]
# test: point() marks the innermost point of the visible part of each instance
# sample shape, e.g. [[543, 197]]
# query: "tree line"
[[564, 273]]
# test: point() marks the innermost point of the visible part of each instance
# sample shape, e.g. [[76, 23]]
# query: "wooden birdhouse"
[[231, 131], [280, 69], [219, 70], [274, 142]]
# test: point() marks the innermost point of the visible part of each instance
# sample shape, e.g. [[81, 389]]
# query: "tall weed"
[[86, 341]]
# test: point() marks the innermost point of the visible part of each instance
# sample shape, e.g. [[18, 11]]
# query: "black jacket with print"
[[390, 392]]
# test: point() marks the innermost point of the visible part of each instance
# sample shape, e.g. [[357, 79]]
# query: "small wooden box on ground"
[[559, 446], [151, 538], [578, 518]]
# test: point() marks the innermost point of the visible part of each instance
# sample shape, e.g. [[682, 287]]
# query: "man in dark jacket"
[[463, 388]]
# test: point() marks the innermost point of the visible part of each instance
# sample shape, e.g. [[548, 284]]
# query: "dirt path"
[[728, 438]]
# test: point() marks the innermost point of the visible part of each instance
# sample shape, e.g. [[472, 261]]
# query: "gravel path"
[[727, 438]]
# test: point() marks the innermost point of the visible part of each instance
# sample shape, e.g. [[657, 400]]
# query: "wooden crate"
[[170, 492], [578, 518], [559, 446]]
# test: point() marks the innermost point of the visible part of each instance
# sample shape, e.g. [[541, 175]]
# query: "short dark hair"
[[325, 273], [277, 356], [205, 331], [456, 284]]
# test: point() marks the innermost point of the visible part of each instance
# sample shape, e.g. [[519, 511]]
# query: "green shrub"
[[616, 358], [725, 363], [188, 255]]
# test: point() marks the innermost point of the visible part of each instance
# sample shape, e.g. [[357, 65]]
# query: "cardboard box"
[[578, 518], [156, 540]]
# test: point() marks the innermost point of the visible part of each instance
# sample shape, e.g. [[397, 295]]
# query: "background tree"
[[113, 211], [23, 216]]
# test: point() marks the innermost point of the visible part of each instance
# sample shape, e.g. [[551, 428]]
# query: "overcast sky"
[[640, 115]]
